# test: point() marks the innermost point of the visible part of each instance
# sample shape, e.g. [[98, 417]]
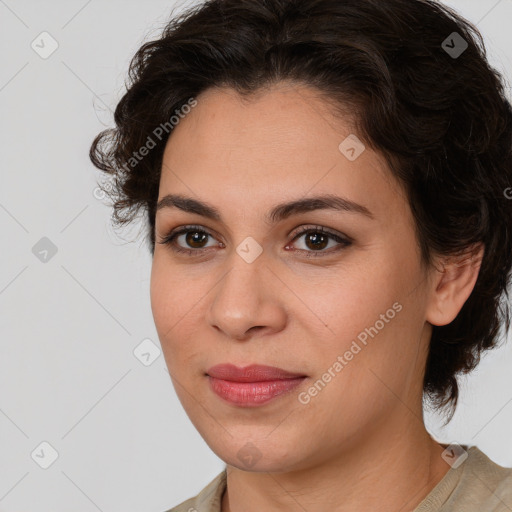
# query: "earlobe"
[[453, 285]]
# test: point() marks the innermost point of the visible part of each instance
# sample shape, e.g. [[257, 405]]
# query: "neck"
[[392, 469]]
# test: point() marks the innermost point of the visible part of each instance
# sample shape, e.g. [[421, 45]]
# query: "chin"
[[248, 453]]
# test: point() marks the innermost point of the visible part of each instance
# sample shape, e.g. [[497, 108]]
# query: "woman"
[[327, 190]]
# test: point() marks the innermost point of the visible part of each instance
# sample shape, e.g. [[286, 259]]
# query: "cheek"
[[358, 381], [167, 301], [169, 291], [176, 311], [373, 324], [158, 294], [354, 299]]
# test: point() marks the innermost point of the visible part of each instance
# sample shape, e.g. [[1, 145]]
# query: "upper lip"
[[252, 373]]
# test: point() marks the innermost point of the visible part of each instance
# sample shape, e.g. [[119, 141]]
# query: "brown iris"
[[317, 244], [193, 236]]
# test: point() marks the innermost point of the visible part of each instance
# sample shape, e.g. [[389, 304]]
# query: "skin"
[[360, 443]]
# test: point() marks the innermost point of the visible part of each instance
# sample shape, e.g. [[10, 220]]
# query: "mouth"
[[253, 385], [252, 373]]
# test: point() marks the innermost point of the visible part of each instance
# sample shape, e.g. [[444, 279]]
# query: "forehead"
[[285, 115], [282, 142]]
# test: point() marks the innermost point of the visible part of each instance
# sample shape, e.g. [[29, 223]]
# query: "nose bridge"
[[242, 284], [243, 298]]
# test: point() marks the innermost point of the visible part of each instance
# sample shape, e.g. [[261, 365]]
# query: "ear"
[[453, 284]]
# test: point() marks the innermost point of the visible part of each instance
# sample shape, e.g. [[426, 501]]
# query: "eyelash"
[[344, 242]]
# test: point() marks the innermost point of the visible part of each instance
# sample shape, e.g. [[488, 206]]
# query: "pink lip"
[[253, 385], [252, 373]]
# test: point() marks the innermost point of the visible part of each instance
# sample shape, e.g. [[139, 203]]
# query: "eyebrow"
[[278, 213]]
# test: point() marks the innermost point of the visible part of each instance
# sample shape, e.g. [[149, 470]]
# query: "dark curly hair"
[[440, 117]]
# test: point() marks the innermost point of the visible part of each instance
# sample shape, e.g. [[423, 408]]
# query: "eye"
[[315, 238], [195, 236], [318, 239]]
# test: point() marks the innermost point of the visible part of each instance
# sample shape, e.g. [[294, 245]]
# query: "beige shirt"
[[477, 485]]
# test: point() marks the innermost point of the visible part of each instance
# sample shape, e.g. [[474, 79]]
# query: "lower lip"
[[252, 394]]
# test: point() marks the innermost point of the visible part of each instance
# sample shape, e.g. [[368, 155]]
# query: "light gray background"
[[69, 327]]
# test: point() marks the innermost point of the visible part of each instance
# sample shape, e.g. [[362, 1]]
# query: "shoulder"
[[483, 485], [208, 500]]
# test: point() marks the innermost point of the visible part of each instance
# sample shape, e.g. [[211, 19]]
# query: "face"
[[337, 296]]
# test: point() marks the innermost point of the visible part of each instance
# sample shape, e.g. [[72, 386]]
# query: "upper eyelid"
[[186, 228]]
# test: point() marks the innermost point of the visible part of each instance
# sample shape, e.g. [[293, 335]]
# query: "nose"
[[248, 300]]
